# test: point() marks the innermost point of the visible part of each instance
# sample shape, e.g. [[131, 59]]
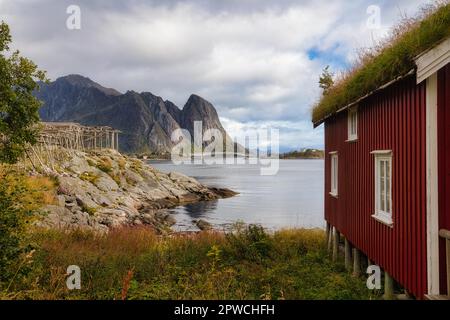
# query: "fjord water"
[[291, 198]]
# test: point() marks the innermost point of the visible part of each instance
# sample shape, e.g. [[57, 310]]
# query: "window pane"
[[381, 185], [388, 204], [388, 187], [334, 173], [351, 123]]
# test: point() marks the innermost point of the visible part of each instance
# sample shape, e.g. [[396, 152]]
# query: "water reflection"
[[200, 209], [292, 198]]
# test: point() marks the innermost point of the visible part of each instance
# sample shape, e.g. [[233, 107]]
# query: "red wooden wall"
[[392, 119], [444, 162]]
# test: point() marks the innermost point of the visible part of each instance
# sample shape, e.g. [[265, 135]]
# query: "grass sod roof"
[[387, 62]]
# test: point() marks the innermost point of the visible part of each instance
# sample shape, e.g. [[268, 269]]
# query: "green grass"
[[89, 210], [387, 61], [105, 165], [89, 176], [135, 263]]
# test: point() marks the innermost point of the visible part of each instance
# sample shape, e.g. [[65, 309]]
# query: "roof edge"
[[384, 86]]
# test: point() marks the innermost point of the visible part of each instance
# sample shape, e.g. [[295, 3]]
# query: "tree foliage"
[[13, 219], [18, 107], [326, 79]]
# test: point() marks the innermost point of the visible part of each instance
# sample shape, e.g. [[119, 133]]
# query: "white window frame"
[[334, 173], [352, 135], [383, 203]]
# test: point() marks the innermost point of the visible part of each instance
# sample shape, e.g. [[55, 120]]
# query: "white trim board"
[[432, 186], [432, 60]]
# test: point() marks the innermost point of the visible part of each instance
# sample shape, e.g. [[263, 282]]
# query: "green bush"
[[251, 243], [13, 219]]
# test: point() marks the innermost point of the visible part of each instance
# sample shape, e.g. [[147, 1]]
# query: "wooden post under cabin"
[[388, 287], [330, 240], [327, 232], [336, 237], [348, 255], [356, 262], [446, 235]]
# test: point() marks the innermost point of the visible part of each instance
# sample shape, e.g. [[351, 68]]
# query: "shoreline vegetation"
[[136, 263], [146, 260], [303, 154], [296, 154]]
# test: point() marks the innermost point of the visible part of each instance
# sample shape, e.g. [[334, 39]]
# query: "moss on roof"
[[388, 61]]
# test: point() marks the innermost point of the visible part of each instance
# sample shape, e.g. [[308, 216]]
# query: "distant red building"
[[387, 173]]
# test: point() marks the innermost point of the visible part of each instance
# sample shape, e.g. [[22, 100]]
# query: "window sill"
[[334, 195], [352, 140], [384, 220]]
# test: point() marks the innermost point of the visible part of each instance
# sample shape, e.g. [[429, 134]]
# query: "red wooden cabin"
[[387, 174]]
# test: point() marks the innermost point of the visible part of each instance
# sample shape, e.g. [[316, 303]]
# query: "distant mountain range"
[[146, 121]]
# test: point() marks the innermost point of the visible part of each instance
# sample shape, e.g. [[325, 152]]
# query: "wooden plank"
[[436, 297], [447, 254], [444, 234]]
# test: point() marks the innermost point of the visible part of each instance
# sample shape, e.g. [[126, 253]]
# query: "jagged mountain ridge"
[[146, 120]]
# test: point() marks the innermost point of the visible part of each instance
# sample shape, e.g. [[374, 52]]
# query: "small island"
[[303, 154]]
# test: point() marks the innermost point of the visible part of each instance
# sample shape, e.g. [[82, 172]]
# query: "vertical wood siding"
[[392, 119], [444, 163]]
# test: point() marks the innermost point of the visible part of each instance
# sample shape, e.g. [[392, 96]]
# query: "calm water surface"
[[292, 198]]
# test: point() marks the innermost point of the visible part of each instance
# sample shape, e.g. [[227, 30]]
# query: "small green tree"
[[18, 107], [18, 116], [326, 80], [13, 219]]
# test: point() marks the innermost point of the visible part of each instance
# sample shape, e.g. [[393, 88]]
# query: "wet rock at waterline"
[[202, 224], [102, 190]]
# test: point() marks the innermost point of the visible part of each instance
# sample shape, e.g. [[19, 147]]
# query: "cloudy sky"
[[257, 61]]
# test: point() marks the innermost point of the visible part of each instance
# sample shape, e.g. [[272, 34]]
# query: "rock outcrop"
[[102, 190]]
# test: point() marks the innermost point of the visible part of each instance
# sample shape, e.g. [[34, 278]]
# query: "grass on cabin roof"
[[388, 60]]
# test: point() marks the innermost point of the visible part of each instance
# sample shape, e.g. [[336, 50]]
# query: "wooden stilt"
[[327, 234], [330, 240], [405, 296], [336, 237], [388, 287], [112, 140], [327, 230], [356, 263], [348, 255]]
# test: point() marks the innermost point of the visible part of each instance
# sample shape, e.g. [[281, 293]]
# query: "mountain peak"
[[199, 104], [196, 99], [146, 120], [84, 82]]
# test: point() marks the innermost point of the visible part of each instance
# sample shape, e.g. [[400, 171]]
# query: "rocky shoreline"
[[100, 190]]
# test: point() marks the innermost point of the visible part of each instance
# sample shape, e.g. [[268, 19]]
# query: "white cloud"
[[293, 135], [249, 58]]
